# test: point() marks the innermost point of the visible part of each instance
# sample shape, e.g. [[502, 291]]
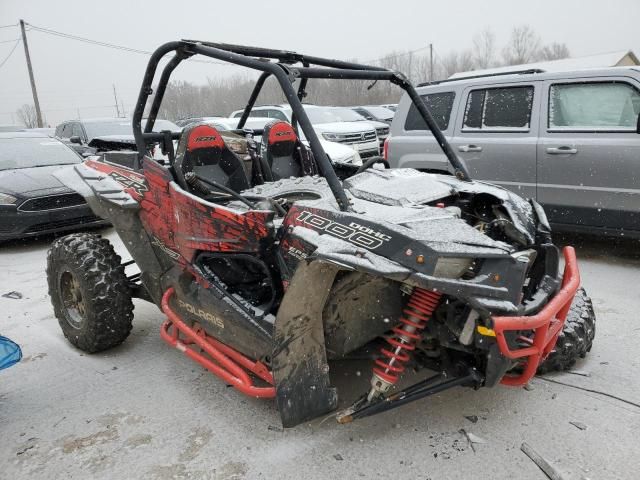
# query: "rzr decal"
[[355, 233], [158, 243], [136, 185], [200, 313]]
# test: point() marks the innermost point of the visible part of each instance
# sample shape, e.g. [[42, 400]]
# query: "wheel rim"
[[72, 300]]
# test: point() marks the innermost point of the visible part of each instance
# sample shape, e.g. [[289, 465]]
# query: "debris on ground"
[[472, 418], [338, 457], [579, 425], [528, 387], [13, 294], [472, 439], [274, 428], [581, 373], [543, 464]]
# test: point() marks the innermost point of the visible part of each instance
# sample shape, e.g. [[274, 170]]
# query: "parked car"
[[391, 106], [347, 114], [327, 125], [183, 122], [79, 133], [372, 112], [337, 152], [32, 200], [569, 140]]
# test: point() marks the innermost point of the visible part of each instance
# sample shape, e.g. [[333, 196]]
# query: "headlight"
[[6, 199], [351, 159], [452, 267], [332, 137]]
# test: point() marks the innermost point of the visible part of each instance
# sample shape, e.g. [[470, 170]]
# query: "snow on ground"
[[143, 410]]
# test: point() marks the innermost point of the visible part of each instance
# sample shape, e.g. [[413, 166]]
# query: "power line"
[[108, 45], [10, 25], [9, 41], [397, 55], [10, 53]]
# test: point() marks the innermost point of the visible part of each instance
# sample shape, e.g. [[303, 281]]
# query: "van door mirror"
[[76, 139], [638, 124]]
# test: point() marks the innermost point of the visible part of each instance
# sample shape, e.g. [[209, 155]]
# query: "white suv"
[[361, 137]]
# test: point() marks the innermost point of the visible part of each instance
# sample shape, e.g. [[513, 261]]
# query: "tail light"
[[385, 148]]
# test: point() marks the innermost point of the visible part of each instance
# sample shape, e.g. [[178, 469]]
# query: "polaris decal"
[[359, 235], [200, 313], [137, 186]]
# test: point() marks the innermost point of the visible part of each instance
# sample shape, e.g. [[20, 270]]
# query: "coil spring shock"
[[405, 337]]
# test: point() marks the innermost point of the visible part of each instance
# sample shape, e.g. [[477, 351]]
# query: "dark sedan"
[[32, 200]]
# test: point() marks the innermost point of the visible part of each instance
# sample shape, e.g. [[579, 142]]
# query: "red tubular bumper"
[[546, 325], [223, 361]]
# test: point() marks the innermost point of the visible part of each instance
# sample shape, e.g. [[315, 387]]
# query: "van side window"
[[506, 108], [601, 105], [440, 106]]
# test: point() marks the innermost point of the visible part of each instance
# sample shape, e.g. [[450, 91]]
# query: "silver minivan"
[[569, 140]]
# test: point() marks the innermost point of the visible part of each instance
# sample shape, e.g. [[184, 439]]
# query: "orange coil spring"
[[407, 334]]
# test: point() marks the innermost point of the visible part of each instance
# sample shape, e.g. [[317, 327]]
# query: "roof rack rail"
[[497, 74]]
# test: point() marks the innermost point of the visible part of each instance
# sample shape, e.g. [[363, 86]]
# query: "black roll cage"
[[286, 71]]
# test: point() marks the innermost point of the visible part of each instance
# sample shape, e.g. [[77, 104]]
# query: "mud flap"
[[299, 361]]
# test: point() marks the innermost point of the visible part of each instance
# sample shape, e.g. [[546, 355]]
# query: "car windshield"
[[116, 127], [322, 115], [348, 115], [380, 112], [25, 152]]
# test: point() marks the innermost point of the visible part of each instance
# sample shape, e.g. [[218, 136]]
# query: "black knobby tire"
[[576, 338], [89, 292]]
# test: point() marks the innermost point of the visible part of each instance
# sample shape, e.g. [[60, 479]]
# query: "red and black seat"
[[202, 150], [284, 154]]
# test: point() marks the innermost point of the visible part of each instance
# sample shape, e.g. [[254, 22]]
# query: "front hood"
[[343, 127], [30, 181], [405, 187]]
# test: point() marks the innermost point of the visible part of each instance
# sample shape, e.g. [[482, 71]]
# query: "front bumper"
[[546, 325], [16, 224]]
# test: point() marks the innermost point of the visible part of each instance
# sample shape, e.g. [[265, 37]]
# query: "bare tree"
[[554, 51], [523, 46], [27, 115], [484, 49]]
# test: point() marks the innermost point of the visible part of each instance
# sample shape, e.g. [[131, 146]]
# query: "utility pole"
[[33, 81], [431, 62], [115, 97]]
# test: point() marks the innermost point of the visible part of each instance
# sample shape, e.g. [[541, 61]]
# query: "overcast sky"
[[75, 77]]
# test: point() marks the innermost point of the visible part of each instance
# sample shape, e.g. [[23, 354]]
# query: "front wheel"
[[89, 292], [576, 338]]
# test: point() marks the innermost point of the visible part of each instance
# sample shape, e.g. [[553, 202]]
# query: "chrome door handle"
[[469, 148], [564, 150]]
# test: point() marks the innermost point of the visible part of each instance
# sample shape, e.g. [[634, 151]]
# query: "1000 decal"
[[355, 233]]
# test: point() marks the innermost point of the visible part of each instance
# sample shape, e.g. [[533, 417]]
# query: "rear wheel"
[[576, 338], [89, 292]]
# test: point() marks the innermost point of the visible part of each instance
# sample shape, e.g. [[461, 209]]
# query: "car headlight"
[[452, 267], [332, 137], [351, 159], [6, 199]]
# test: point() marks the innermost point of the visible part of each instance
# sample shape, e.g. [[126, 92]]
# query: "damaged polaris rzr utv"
[[270, 262]]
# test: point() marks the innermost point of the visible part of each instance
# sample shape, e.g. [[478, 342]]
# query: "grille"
[[351, 138], [67, 222], [52, 202]]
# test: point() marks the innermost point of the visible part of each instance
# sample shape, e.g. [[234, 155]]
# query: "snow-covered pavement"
[[143, 410]]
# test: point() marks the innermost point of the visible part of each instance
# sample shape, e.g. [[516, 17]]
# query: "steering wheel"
[[371, 162]]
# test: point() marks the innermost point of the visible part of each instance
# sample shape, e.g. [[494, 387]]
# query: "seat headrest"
[[280, 131], [202, 136]]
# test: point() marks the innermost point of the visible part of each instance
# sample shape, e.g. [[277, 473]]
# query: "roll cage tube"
[[285, 74]]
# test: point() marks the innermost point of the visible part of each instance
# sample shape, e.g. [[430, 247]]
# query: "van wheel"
[[89, 292]]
